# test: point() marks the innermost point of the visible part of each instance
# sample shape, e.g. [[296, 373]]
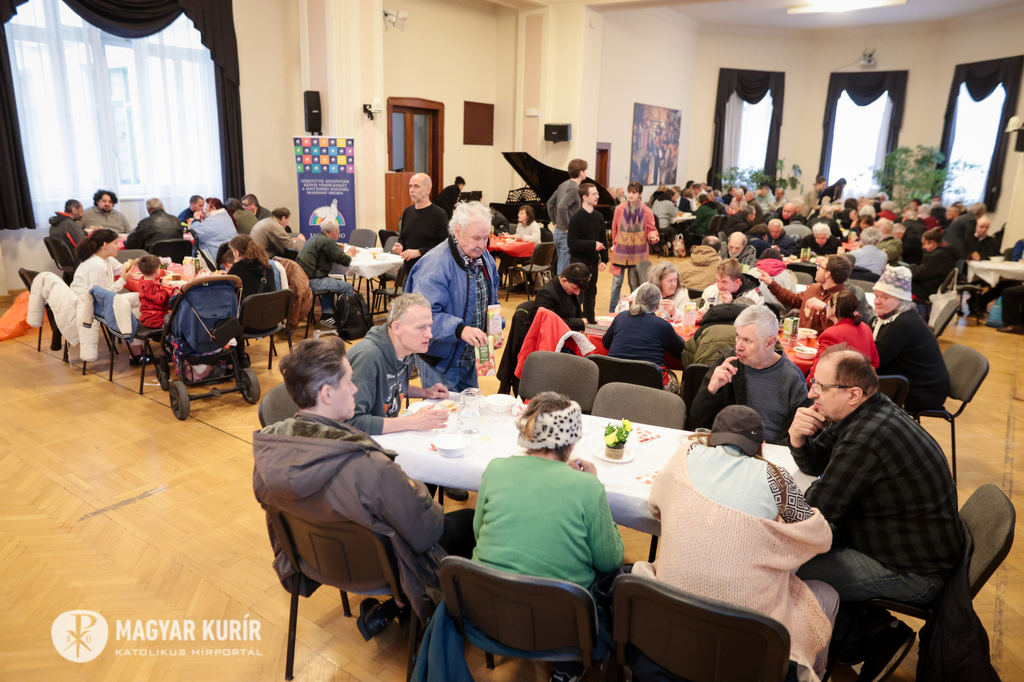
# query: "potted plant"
[[615, 436], [920, 173]]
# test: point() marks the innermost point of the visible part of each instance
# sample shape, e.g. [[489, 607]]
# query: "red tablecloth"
[[514, 248], [671, 362], [804, 365]]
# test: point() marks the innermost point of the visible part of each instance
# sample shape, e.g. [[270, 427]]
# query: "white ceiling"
[[724, 13]]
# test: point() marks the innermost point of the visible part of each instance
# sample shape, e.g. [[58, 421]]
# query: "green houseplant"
[[919, 173]]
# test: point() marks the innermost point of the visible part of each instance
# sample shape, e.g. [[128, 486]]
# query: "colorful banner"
[[326, 170]]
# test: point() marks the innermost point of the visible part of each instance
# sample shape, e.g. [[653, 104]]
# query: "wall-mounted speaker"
[[557, 132], [311, 99]]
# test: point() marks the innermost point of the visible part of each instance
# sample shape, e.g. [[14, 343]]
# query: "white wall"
[[630, 76], [928, 51], [455, 51]]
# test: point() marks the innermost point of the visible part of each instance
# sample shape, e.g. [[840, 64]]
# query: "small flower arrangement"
[[615, 435], [165, 263]]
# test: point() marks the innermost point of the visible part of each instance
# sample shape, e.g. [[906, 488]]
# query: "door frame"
[[605, 147], [435, 162]]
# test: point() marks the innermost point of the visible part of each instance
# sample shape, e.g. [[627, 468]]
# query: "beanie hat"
[[895, 282]]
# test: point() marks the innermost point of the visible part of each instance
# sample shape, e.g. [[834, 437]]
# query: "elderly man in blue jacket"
[[459, 278]]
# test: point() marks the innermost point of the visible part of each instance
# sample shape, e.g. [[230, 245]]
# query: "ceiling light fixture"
[[834, 6]]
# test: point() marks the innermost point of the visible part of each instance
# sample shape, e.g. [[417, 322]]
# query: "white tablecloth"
[[366, 266], [626, 495], [991, 272]]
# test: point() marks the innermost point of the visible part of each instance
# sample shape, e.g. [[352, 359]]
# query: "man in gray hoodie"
[[381, 363], [316, 466]]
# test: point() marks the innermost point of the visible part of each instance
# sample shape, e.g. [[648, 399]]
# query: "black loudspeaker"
[[557, 132], [311, 99]]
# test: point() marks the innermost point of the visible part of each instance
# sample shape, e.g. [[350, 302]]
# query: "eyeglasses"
[[817, 385]]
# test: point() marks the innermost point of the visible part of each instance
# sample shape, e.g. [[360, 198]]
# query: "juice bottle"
[[689, 319]]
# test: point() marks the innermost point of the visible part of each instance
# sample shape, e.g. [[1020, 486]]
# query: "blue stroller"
[[197, 335]]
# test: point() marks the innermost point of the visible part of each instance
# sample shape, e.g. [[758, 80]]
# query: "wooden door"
[[604, 151], [396, 198], [416, 138]]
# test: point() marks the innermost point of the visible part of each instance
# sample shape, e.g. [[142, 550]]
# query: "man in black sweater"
[[562, 295], [588, 244], [157, 227], [449, 196], [424, 225]]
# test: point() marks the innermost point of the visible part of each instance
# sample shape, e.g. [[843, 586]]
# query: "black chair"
[[894, 387], [540, 263], [967, 370], [693, 377], [112, 338], [518, 611], [695, 294], [362, 238], [27, 276], [570, 375], [693, 639], [382, 296], [175, 249], [125, 255], [989, 519], [653, 406], [715, 225], [276, 406], [264, 315], [637, 372], [62, 256], [349, 557], [384, 236]]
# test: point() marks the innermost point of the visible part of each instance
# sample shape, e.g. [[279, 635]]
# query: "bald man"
[[424, 225]]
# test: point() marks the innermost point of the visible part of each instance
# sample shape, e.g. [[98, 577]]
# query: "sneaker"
[[568, 671], [886, 651], [456, 494], [328, 321]]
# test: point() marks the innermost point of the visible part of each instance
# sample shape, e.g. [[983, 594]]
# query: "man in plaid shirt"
[[886, 488]]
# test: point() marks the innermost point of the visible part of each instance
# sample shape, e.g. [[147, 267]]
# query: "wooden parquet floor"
[[108, 503]]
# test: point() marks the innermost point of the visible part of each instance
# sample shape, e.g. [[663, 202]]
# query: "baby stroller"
[[197, 336]]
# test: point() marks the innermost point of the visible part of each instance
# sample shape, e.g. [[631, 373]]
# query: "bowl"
[[806, 333], [997, 259], [605, 319], [450, 445], [805, 352], [500, 403]]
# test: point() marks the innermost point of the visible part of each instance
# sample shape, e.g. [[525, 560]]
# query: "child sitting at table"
[[153, 296]]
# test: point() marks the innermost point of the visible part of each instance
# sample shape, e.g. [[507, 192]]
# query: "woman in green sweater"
[[542, 514]]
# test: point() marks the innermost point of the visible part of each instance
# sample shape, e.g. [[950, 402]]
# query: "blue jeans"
[[858, 577], [634, 283], [338, 286], [562, 247], [456, 379]]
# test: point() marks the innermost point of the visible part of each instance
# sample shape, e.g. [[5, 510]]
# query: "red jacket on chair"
[[550, 332]]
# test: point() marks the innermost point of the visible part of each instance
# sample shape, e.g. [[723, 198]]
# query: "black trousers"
[[1013, 302], [457, 538], [589, 295]]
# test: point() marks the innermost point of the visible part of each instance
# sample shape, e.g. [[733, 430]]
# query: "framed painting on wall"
[[655, 154]]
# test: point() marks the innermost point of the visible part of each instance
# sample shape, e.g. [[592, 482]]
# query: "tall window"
[[746, 132], [974, 138], [96, 111], [859, 143]]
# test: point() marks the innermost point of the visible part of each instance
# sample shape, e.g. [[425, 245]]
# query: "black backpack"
[[352, 316]]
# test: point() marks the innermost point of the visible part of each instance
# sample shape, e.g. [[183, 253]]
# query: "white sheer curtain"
[[746, 133], [138, 117], [975, 128], [858, 143]]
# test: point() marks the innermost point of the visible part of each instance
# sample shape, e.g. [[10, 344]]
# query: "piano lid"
[[544, 180]]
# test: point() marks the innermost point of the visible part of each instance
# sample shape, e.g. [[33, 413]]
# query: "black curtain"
[[751, 86], [863, 88], [982, 78], [15, 198], [214, 19]]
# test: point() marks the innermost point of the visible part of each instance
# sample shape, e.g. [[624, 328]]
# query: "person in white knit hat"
[[906, 346]]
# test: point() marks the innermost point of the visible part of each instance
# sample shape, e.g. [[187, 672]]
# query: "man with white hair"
[[460, 279], [381, 364], [777, 238], [888, 210], [820, 241], [424, 224], [755, 375], [158, 226], [318, 256], [869, 256], [737, 247], [890, 242]]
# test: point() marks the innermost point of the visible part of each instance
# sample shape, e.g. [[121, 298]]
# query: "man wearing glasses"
[[886, 488]]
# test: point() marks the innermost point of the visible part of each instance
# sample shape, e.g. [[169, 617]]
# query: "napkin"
[[648, 479], [643, 435], [517, 408]]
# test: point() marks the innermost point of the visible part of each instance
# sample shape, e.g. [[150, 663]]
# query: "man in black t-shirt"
[[588, 243], [424, 225]]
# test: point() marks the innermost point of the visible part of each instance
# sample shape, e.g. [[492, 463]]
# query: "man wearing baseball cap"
[[562, 295], [886, 489]]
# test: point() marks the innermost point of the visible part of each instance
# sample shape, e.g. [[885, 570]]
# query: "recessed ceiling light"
[[841, 6]]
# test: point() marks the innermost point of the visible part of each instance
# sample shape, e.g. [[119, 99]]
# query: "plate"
[[627, 456]]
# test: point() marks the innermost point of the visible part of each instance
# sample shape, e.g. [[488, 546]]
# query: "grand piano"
[[541, 182]]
